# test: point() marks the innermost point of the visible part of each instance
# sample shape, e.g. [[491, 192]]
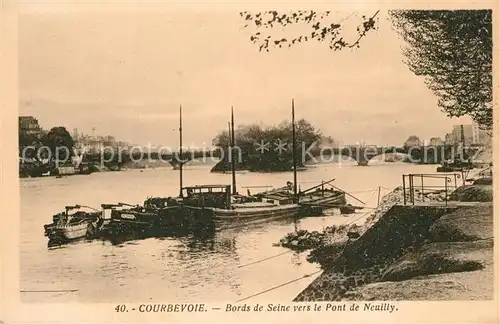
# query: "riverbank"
[[422, 252], [52, 171], [326, 245]]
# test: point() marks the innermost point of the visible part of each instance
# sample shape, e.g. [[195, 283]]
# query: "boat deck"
[[255, 204]]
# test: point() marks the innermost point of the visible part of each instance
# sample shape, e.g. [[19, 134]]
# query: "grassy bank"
[[414, 253], [325, 245]]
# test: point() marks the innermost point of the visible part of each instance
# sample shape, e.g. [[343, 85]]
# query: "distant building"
[[76, 135], [96, 144], [436, 141], [475, 133], [479, 136], [455, 137], [29, 125], [448, 139]]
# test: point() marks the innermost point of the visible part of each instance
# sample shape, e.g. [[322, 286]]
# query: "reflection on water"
[[215, 266]]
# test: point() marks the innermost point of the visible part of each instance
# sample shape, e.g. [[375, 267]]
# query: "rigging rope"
[[361, 191], [289, 251], [268, 258], [281, 285], [356, 219], [304, 276], [362, 215]]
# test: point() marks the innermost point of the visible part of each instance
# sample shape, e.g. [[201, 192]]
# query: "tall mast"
[[180, 151], [462, 139], [229, 145], [293, 152], [233, 164]]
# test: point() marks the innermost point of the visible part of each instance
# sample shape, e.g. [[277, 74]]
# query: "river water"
[[186, 269]]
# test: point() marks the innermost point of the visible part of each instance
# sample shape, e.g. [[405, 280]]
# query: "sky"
[[126, 73]]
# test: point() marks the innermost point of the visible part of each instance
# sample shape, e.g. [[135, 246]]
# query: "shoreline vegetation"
[[37, 169], [424, 252]]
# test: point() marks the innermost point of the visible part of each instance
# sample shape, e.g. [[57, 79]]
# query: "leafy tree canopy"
[[453, 51], [259, 145], [26, 139], [57, 139], [413, 140]]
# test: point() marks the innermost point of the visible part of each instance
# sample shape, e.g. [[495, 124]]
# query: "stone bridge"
[[362, 154], [172, 157], [415, 154]]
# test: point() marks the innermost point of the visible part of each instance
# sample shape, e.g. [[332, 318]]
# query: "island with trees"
[[267, 148]]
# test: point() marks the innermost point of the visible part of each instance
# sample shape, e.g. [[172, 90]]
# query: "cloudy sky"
[[126, 74]]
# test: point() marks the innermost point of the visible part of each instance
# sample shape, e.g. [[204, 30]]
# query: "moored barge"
[[158, 215], [216, 203]]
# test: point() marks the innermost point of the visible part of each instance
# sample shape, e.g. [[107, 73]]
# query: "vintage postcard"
[[247, 162]]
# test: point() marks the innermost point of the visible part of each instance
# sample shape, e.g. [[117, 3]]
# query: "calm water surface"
[[184, 269]]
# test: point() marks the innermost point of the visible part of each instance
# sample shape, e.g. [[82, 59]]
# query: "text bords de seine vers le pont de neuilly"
[[316, 307]]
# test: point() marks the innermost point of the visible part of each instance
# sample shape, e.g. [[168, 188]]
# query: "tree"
[[453, 51], [322, 29], [412, 141], [25, 140], [60, 143], [259, 145]]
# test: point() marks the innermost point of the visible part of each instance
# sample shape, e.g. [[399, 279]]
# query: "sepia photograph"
[[172, 158]]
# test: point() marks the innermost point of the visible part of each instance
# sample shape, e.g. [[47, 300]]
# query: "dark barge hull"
[[171, 220], [452, 169], [219, 218]]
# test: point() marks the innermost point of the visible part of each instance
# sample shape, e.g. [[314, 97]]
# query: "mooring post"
[[180, 151], [422, 183], [231, 155], [294, 157], [412, 193], [404, 190], [446, 191], [378, 199], [322, 188]]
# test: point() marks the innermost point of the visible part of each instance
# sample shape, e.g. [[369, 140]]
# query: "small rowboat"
[[74, 223], [348, 209]]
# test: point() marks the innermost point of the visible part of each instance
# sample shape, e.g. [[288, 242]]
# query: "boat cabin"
[[155, 203], [107, 210], [110, 211], [217, 196]]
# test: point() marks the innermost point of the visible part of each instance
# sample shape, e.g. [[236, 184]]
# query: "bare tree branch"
[[320, 30]]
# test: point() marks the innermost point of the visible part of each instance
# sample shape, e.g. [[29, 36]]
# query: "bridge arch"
[[390, 158], [361, 154]]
